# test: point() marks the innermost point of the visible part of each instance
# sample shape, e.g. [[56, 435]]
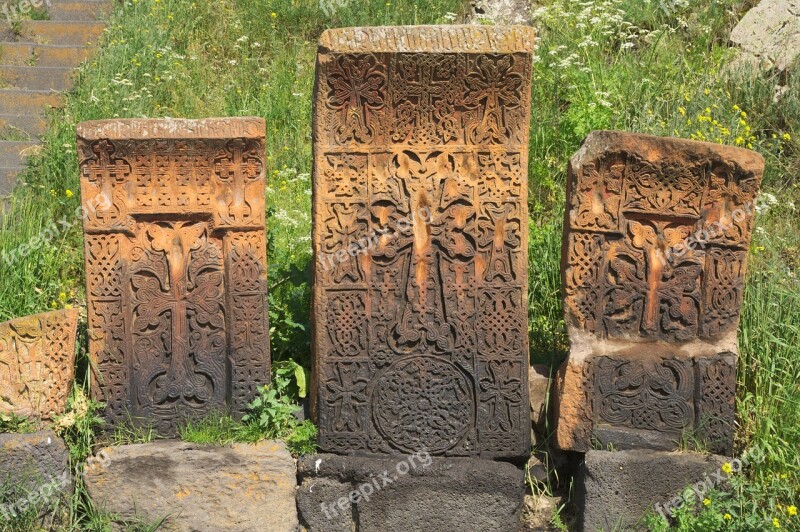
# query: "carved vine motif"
[[653, 396], [716, 402], [648, 246], [176, 293], [420, 213]]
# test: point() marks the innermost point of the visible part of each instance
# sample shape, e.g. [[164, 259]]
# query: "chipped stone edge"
[[173, 128], [463, 38]]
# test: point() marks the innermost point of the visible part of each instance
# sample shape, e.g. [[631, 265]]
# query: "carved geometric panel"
[[176, 266], [420, 237], [656, 236], [37, 364]]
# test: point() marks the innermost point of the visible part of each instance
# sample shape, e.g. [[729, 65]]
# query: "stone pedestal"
[[34, 473], [197, 487], [408, 493], [616, 490]]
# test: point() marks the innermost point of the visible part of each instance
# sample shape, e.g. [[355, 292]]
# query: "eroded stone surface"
[[409, 493], [241, 487], [420, 236], [37, 363], [176, 265], [769, 35], [616, 490], [655, 249]]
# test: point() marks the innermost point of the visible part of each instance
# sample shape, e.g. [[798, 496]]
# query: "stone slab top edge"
[[173, 128], [70, 313], [654, 148], [463, 38]]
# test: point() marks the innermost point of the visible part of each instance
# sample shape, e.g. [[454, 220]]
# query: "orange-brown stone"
[[37, 364], [655, 252], [420, 239], [176, 265]]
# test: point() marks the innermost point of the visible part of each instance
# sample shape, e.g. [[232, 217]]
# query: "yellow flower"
[[706, 502], [776, 523], [68, 193], [792, 510], [739, 141], [744, 115], [742, 122], [682, 111], [727, 517], [273, 15], [787, 137], [736, 108]]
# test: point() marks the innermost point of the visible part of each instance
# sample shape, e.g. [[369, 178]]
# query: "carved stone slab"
[[420, 238], [176, 265], [37, 363], [655, 253]]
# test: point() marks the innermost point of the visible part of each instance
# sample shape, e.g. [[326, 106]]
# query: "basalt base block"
[[420, 240], [654, 260], [37, 364], [617, 490], [176, 266], [408, 493]]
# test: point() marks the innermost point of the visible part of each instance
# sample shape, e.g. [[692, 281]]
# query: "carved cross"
[[237, 170], [107, 171]]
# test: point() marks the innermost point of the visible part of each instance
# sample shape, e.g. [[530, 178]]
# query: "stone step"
[[26, 102], [8, 177], [52, 32], [28, 54], [36, 77], [13, 153], [27, 125], [78, 11]]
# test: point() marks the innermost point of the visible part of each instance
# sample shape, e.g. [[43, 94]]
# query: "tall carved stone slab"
[[37, 364], [176, 265], [655, 253], [420, 240]]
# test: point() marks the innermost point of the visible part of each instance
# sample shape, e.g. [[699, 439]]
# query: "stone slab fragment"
[[240, 487], [654, 261], [176, 266], [769, 34], [34, 470], [339, 493], [37, 363], [420, 240], [539, 392], [615, 490]]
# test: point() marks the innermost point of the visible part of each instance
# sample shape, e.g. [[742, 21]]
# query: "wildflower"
[[743, 114], [68, 193], [706, 502], [736, 108], [727, 517], [792, 510], [742, 122], [273, 15], [787, 137], [682, 111], [776, 522], [739, 141]]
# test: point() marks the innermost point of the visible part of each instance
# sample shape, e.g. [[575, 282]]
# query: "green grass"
[[623, 64]]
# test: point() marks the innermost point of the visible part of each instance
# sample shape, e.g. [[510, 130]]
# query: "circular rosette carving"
[[423, 403]]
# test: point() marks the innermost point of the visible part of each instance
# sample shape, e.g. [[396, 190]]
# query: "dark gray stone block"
[[615, 490], [409, 493], [34, 472]]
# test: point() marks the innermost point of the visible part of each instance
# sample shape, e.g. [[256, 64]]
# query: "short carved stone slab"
[[420, 236], [37, 363], [176, 265], [655, 254]]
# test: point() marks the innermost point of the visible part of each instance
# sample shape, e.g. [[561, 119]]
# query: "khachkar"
[[420, 240], [176, 265], [655, 250], [37, 364]]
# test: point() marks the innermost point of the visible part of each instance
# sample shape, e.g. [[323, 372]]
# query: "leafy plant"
[[303, 439], [14, 423]]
